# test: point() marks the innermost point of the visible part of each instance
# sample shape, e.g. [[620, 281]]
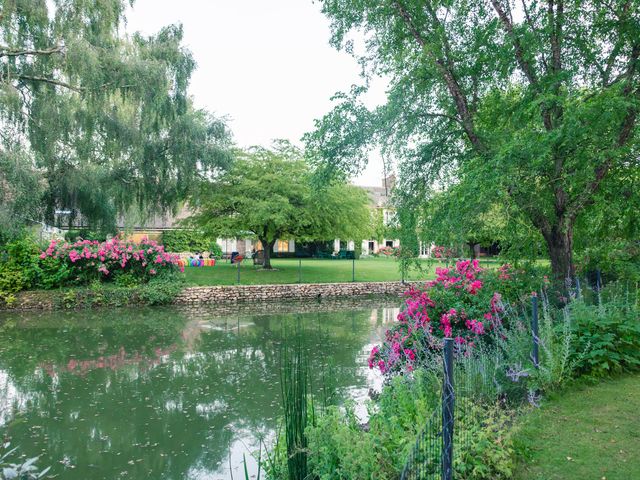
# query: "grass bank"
[[309, 270], [587, 432]]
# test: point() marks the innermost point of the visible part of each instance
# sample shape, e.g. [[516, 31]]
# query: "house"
[[136, 227], [380, 203]]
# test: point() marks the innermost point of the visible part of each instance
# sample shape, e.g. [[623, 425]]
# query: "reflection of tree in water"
[[164, 415]]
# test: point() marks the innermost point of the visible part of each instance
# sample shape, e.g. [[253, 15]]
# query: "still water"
[[167, 393]]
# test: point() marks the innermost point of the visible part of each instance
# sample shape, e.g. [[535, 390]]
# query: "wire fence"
[[466, 383], [305, 270]]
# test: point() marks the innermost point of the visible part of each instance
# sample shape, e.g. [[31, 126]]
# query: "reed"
[[294, 380]]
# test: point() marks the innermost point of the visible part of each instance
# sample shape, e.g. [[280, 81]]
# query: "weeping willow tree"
[[100, 121]]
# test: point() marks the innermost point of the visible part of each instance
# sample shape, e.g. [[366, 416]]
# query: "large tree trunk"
[[560, 245], [267, 248]]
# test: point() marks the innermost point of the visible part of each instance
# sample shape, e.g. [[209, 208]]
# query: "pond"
[[171, 393]]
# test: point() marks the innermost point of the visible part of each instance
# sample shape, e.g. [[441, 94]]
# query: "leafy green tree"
[[533, 107], [102, 117], [268, 194], [21, 188]]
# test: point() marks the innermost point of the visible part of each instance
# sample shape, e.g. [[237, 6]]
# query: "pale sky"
[[265, 64]]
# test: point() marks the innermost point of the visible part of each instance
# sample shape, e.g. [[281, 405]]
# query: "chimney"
[[389, 183]]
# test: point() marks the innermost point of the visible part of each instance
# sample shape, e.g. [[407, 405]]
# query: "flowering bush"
[[87, 260], [464, 303]]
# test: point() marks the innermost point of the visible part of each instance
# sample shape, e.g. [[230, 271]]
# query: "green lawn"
[[312, 271], [589, 432]]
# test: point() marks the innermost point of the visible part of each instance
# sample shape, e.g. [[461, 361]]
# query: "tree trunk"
[[560, 245], [267, 248]]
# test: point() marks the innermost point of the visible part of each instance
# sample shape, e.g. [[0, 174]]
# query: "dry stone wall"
[[232, 295], [259, 293]]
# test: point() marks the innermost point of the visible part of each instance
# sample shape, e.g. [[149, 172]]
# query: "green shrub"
[[161, 290], [618, 260], [14, 466], [186, 240], [607, 335], [18, 267], [488, 452], [340, 450], [12, 280], [52, 273], [126, 279]]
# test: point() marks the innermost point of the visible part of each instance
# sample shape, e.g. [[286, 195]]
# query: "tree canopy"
[[102, 118], [529, 108], [268, 194]]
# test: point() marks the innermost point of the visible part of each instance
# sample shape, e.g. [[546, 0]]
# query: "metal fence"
[[440, 446]]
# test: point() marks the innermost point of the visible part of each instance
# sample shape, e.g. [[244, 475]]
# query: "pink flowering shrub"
[[88, 260], [465, 303]]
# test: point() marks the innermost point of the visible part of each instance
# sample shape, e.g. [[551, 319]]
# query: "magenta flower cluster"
[[146, 258], [456, 304]]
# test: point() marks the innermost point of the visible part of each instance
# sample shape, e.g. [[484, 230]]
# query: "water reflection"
[[169, 393]]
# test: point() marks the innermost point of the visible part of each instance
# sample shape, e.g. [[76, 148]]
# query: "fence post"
[[300, 270], [598, 280], [534, 330], [353, 269], [448, 403], [238, 273]]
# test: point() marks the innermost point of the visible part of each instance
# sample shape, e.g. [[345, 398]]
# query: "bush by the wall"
[[160, 290], [84, 261]]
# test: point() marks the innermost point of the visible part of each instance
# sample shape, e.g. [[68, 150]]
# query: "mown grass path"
[[308, 271], [587, 432]]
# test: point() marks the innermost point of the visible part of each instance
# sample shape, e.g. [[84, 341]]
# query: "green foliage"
[[619, 260], [160, 290], [268, 194], [52, 273], [12, 280], [490, 452], [18, 267], [84, 234], [294, 371], [607, 335], [20, 192], [18, 469], [96, 120], [190, 240], [339, 449], [530, 143]]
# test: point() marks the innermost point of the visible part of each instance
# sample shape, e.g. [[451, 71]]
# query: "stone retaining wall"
[[230, 295], [250, 293]]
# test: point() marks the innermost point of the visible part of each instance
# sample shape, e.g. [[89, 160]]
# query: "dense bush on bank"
[[91, 272]]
